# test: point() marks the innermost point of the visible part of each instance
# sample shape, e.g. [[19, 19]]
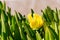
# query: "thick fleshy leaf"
[[23, 37], [29, 32], [38, 37], [46, 34], [3, 25], [53, 33]]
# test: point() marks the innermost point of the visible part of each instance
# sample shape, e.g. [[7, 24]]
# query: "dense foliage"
[[19, 27]]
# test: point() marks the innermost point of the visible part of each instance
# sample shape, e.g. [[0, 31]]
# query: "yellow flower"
[[36, 21]]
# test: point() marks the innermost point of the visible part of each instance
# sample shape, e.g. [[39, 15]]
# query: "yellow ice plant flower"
[[36, 21]]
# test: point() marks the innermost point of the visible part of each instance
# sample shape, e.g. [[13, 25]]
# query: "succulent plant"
[[17, 27]]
